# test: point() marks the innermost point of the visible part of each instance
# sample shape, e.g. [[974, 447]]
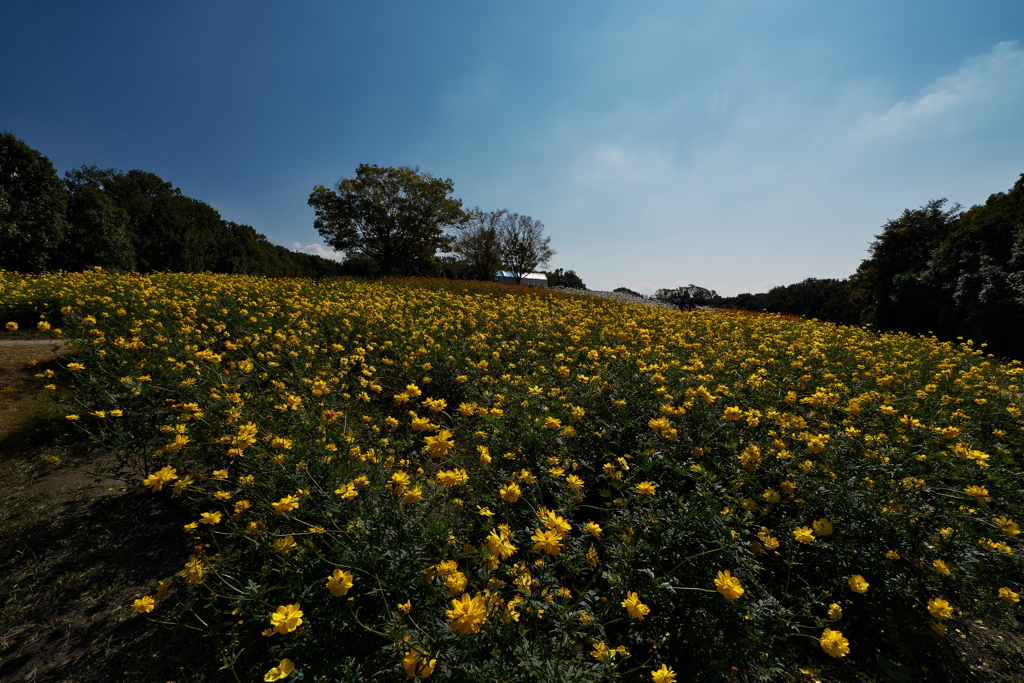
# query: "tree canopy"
[[33, 207], [395, 216], [524, 248]]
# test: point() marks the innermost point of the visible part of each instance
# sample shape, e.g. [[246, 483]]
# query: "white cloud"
[[317, 250], [982, 89]]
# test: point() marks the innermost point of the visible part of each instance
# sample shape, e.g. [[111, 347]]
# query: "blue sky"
[[733, 144]]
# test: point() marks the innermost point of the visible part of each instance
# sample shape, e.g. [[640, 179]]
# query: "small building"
[[507, 277]]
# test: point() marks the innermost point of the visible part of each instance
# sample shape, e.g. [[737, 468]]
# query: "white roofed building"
[[529, 279]]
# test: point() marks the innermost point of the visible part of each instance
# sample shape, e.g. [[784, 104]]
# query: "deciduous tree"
[[33, 206], [524, 248], [394, 216]]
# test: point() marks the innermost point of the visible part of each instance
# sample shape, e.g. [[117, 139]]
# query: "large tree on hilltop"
[[33, 206], [394, 216]]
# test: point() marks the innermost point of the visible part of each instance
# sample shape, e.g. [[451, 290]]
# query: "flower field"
[[470, 482]]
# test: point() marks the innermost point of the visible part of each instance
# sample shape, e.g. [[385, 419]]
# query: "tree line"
[[384, 221], [937, 270], [392, 221]]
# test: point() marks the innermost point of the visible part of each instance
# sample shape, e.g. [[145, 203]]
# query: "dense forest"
[[124, 221], [934, 270]]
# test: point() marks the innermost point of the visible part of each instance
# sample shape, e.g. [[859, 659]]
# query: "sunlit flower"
[[858, 584], [834, 644], [467, 614], [636, 609], [663, 675], [728, 585], [143, 605]]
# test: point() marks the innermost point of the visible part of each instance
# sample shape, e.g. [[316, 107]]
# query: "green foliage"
[[824, 299], [394, 216], [478, 246], [524, 248], [32, 207], [627, 290], [687, 296], [302, 413], [565, 278]]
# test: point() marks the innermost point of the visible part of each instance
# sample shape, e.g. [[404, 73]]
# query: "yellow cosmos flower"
[[156, 481], [834, 644], [822, 527], [467, 614], [732, 413], [940, 609], [286, 618], [510, 492], [500, 544], [645, 488], [339, 582], [280, 671], [286, 504], [1008, 596], [858, 584], [803, 534], [143, 605], [284, 545], [636, 609], [663, 675], [835, 611], [440, 444], [549, 542], [729, 586]]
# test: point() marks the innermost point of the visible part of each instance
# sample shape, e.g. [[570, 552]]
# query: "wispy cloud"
[[985, 87]]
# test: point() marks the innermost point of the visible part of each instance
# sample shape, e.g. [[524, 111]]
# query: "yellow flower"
[[286, 618], [602, 654], [467, 614], [452, 477], [12, 327], [939, 627], [594, 529], [833, 643], [772, 496], [645, 488], [416, 663], [941, 568], [636, 609], [339, 582], [280, 671], [510, 492], [835, 611], [822, 527], [549, 542], [940, 609], [574, 482], [729, 586], [663, 675], [500, 545], [803, 534], [440, 444], [1008, 596], [156, 481], [143, 605], [732, 413], [858, 584], [210, 518], [284, 545], [286, 504]]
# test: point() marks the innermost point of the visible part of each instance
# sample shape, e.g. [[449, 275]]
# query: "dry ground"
[[78, 547]]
